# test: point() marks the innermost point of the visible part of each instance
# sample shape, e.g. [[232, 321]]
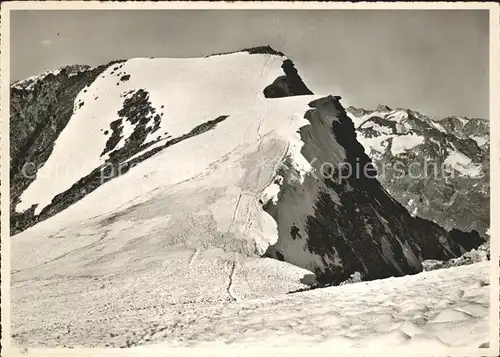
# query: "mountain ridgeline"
[[438, 169], [354, 222], [323, 219]]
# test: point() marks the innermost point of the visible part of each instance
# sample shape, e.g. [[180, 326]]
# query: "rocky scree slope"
[[438, 169], [256, 144]]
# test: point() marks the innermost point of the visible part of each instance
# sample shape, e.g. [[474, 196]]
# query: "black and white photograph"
[[243, 177]]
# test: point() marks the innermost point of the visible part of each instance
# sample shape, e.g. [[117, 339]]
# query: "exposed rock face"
[[479, 254], [348, 222], [438, 170], [328, 221]]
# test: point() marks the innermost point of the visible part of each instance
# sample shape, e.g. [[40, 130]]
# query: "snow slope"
[[198, 165], [401, 144], [437, 310], [454, 190], [427, 311], [203, 191], [185, 230], [74, 155]]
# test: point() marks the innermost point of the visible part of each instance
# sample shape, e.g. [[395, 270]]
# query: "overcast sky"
[[433, 61]]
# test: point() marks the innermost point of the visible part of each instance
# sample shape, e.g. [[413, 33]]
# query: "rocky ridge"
[[330, 223]]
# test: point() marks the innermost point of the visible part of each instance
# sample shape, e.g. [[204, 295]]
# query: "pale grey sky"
[[433, 61]]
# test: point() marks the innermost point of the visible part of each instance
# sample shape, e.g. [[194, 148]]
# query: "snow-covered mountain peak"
[[465, 127]]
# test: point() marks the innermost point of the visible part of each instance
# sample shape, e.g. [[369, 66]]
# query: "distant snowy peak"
[[383, 108], [463, 120], [406, 119], [399, 131]]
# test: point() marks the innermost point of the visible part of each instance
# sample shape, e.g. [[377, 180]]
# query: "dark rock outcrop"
[[263, 50], [139, 112], [419, 177]]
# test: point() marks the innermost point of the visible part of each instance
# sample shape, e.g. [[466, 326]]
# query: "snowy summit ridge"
[[135, 113], [160, 170]]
